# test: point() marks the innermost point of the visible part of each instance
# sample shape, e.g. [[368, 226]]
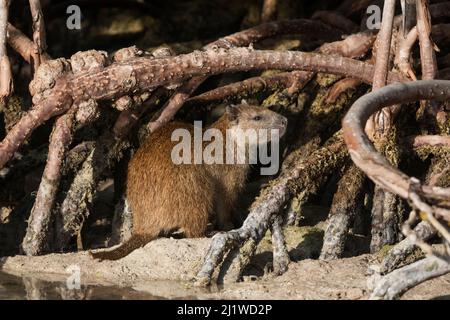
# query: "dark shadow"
[[445, 297], [13, 230]]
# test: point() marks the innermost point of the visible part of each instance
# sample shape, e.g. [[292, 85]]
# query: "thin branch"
[[353, 46], [384, 48], [340, 87], [128, 118], [430, 140], [253, 85], [381, 120], [428, 210], [20, 43], [39, 38], [6, 82], [427, 56], [403, 56], [408, 15]]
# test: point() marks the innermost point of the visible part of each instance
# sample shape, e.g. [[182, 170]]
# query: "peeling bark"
[[76, 205]]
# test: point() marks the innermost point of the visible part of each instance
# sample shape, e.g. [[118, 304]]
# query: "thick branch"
[[400, 252], [144, 74], [340, 87], [346, 203], [36, 238], [240, 39], [430, 140], [363, 152], [353, 46]]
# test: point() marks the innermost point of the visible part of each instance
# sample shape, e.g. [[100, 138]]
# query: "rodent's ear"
[[232, 112]]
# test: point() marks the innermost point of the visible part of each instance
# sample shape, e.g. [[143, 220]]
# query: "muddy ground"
[[164, 268]]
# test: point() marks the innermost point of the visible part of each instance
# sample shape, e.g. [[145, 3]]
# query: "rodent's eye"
[[257, 118]]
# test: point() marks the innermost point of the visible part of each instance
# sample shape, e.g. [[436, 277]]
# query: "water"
[[18, 288]]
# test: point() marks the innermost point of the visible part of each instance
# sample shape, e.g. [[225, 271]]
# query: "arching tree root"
[[267, 208]]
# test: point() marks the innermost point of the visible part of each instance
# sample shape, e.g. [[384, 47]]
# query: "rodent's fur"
[[165, 197]]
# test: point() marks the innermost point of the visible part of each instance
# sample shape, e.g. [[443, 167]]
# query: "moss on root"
[[302, 242]]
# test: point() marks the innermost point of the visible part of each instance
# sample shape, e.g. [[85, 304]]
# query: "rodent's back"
[[165, 196]]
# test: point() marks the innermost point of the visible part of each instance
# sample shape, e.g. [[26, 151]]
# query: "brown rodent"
[[165, 197]]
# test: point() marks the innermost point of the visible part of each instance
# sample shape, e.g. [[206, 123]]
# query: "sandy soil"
[[165, 267]]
